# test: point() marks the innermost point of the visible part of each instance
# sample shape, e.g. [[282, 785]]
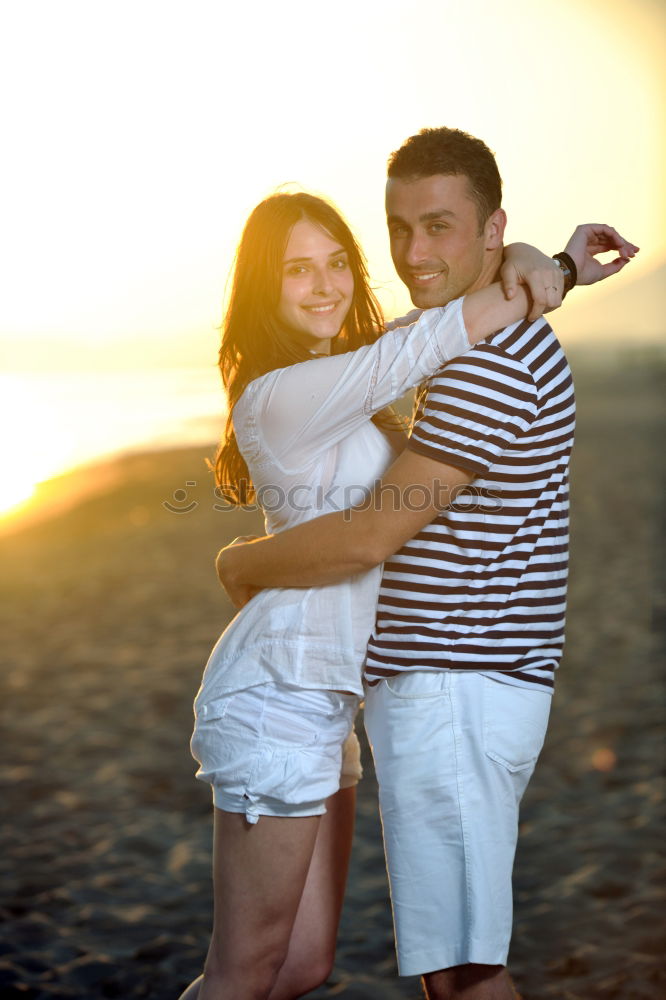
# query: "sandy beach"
[[109, 609]]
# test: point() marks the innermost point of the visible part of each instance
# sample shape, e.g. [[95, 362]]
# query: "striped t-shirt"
[[483, 586]]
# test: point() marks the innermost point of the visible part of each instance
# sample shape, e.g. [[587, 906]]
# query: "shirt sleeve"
[[474, 410], [407, 320], [306, 408]]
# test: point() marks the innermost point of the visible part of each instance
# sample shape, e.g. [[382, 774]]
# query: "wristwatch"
[[568, 268]]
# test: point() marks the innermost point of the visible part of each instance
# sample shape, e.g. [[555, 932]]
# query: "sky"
[[139, 135]]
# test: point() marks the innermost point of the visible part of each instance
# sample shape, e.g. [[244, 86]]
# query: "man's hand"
[[225, 563], [541, 275], [592, 239]]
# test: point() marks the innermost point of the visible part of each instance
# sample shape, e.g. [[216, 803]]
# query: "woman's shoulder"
[[256, 393], [261, 410]]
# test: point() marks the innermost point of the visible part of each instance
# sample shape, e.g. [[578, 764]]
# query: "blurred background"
[[137, 137]]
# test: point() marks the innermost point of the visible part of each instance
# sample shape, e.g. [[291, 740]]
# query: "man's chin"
[[428, 298]]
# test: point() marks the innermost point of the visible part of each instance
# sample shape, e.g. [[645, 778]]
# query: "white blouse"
[[311, 448]]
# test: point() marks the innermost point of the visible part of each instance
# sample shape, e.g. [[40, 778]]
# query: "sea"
[[54, 422]]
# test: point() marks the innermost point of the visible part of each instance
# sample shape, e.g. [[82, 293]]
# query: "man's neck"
[[490, 270]]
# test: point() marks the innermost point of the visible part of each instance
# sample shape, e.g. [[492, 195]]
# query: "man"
[[470, 620]]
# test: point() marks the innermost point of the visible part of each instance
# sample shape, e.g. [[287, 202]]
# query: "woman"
[[308, 432]]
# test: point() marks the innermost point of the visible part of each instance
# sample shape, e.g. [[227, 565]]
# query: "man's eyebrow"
[[301, 260], [427, 216]]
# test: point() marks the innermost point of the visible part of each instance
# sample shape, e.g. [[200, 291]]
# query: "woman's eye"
[[296, 269], [340, 264]]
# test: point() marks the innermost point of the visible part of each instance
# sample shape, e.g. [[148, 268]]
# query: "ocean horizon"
[[69, 419], [62, 422]]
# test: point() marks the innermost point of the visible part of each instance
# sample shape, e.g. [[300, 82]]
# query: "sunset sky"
[[138, 135]]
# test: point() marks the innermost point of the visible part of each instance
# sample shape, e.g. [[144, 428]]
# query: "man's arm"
[[329, 548], [524, 264], [592, 239]]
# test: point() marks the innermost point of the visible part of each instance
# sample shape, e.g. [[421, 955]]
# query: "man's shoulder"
[[520, 361], [520, 347], [503, 354], [518, 339]]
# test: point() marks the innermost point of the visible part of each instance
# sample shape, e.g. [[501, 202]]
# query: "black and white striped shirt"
[[483, 586]]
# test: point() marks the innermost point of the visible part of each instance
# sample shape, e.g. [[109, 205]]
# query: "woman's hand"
[[541, 275], [592, 239], [226, 565]]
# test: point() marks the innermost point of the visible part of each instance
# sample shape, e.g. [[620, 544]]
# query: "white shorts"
[[274, 750], [454, 751]]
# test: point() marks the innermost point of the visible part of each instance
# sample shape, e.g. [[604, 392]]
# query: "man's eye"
[[437, 227], [398, 232]]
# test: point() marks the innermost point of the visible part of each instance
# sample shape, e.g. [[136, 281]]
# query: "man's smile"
[[423, 277]]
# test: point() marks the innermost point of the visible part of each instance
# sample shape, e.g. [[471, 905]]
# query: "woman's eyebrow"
[[300, 260]]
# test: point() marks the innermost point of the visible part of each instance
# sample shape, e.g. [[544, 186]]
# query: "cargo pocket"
[[206, 743]]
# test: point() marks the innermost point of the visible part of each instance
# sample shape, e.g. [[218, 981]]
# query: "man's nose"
[[417, 250]]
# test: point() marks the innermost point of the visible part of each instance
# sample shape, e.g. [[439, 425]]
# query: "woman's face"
[[317, 287]]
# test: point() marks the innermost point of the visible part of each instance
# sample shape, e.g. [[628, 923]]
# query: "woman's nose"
[[323, 281]]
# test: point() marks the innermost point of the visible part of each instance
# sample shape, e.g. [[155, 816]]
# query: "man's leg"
[[476, 982], [454, 751]]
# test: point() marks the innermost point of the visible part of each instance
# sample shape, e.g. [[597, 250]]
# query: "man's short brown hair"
[[450, 151]]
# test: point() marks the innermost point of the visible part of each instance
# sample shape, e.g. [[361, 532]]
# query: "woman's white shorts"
[[275, 750]]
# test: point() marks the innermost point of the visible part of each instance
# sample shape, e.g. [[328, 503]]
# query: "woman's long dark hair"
[[253, 342]]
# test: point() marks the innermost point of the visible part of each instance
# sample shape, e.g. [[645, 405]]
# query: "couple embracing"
[[454, 643]]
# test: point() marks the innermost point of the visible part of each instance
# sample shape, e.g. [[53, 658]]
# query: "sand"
[[109, 609]]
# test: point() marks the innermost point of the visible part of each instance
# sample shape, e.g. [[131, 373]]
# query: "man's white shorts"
[[454, 751]]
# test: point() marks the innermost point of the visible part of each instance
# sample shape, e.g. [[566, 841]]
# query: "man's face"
[[436, 247]]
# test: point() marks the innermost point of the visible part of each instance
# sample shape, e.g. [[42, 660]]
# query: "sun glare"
[[34, 448], [14, 493]]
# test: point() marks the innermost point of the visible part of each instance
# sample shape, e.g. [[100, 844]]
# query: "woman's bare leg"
[[259, 873], [314, 935], [310, 947], [193, 990]]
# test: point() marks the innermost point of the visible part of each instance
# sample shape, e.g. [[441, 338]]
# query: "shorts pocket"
[[215, 709], [418, 684], [514, 723], [222, 743]]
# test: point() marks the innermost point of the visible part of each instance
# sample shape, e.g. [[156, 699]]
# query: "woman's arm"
[[488, 310], [541, 275]]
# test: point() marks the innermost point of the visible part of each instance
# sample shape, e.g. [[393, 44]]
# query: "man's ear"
[[494, 229]]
